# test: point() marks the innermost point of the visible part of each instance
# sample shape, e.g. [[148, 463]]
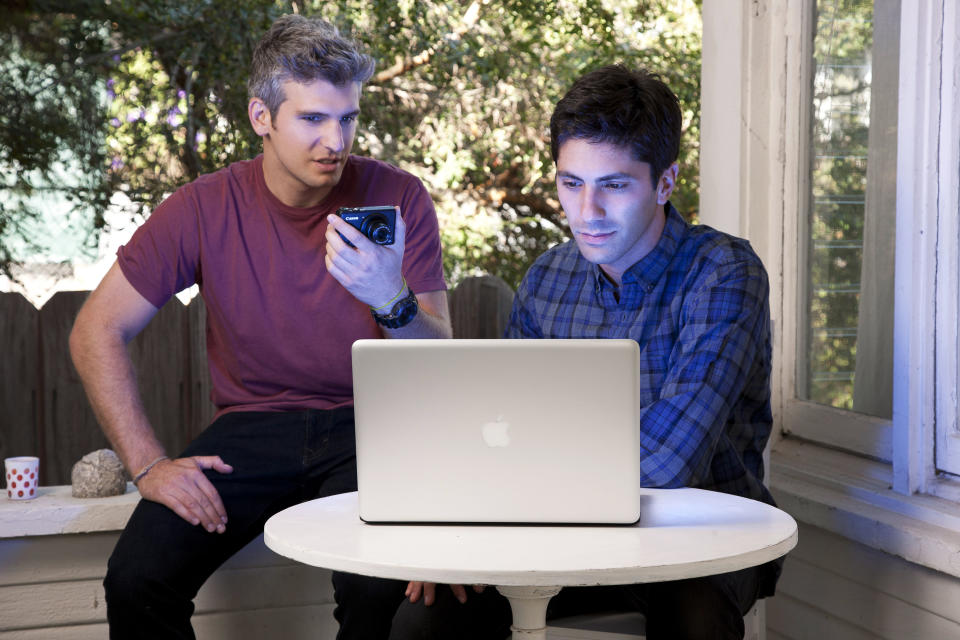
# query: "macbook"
[[497, 431]]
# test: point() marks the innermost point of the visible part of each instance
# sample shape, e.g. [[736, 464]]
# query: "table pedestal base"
[[529, 606]]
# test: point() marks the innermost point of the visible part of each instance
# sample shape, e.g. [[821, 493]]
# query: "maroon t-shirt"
[[279, 327]]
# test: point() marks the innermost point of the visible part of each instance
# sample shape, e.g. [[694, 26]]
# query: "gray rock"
[[98, 474]]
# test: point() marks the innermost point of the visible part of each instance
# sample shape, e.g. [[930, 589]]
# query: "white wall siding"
[[835, 589], [51, 588]]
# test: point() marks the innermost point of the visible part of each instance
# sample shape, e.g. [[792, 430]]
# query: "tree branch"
[[96, 58], [538, 204]]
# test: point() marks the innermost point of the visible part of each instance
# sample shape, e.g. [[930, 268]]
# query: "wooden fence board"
[[159, 356], [68, 427], [20, 373]]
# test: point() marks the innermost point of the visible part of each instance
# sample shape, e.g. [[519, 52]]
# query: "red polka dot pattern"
[[22, 480]]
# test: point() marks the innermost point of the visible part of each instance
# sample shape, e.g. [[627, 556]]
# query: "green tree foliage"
[[149, 95], [48, 68]]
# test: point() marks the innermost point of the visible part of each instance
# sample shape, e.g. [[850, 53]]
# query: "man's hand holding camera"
[[370, 272]]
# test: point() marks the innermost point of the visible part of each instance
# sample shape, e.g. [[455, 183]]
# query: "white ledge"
[[56, 511], [852, 497]]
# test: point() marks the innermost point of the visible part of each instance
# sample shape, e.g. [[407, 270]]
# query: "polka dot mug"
[[23, 476]]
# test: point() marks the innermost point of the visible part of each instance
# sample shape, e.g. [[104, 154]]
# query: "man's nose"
[[591, 207], [331, 136]]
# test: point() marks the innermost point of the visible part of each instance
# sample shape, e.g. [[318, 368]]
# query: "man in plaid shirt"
[[694, 299]]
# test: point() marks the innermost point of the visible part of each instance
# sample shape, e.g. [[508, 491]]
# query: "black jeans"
[[695, 609], [278, 459]]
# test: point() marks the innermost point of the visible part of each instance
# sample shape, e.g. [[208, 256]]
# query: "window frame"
[[947, 373]]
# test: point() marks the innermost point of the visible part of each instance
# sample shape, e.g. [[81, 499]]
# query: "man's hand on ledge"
[[428, 591], [181, 486]]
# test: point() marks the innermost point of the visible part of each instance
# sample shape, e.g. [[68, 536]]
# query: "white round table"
[[682, 533]]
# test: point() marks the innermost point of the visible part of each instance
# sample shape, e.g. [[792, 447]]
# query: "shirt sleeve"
[[422, 255], [723, 339], [523, 322], [163, 256]]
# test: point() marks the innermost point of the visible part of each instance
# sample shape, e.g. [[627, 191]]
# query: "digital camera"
[[376, 223]]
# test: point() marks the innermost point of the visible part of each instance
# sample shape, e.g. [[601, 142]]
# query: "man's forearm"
[[109, 380], [431, 321], [423, 325]]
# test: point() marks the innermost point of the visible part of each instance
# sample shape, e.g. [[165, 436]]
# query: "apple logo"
[[496, 434]]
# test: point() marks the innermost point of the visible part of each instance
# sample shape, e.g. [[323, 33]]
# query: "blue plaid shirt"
[[697, 306]]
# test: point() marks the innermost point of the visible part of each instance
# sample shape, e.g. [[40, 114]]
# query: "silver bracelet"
[[147, 468]]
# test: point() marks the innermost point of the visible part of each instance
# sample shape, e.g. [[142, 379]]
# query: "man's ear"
[[667, 182], [259, 117]]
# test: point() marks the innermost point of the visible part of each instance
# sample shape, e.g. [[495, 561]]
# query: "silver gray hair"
[[303, 49]]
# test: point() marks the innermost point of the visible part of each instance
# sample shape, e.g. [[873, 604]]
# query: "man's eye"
[[313, 118], [616, 186], [570, 184], [348, 119]]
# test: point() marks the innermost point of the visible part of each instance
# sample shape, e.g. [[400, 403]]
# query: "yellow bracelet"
[[403, 290]]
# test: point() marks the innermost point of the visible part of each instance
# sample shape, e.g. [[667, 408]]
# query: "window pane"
[[842, 298]]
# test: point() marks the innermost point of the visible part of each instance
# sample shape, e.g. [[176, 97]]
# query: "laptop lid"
[[519, 431]]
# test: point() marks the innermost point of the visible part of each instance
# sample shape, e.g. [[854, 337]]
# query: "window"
[[878, 235], [877, 256], [818, 115], [846, 172], [847, 357]]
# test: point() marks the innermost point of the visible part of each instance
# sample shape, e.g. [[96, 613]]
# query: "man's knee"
[[153, 569]]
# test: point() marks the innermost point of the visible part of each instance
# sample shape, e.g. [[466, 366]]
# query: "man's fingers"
[[414, 590], [213, 514], [459, 593], [429, 593], [213, 505], [199, 505], [185, 505], [181, 510], [212, 462], [478, 588], [400, 231], [337, 246], [348, 231], [339, 274]]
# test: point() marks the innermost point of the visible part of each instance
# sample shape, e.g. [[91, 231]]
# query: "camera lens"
[[377, 229]]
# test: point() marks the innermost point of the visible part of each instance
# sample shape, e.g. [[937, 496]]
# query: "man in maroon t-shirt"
[[288, 287]]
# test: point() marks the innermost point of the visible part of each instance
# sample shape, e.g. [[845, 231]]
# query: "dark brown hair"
[[614, 104]]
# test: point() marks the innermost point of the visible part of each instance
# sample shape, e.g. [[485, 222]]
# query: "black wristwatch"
[[402, 313]]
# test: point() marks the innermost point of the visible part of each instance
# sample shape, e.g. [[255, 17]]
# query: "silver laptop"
[[497, 431]]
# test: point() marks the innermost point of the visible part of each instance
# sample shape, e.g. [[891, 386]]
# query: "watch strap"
[[402, 313]]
